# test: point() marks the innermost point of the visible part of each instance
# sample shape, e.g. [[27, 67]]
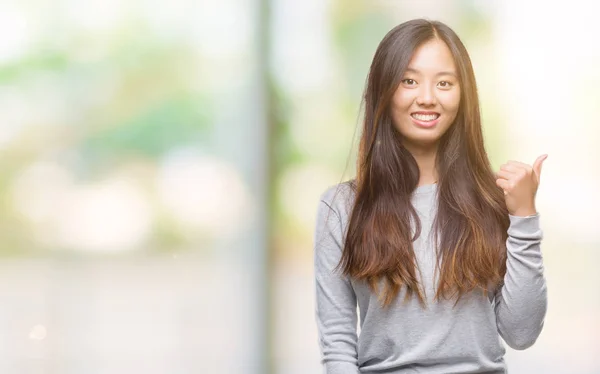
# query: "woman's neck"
[[426, 162]]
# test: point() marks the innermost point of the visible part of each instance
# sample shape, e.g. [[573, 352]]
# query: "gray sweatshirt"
[[406, 338]]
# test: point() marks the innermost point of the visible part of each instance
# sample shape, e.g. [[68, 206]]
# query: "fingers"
[[522, 169], [505, 174], [537, 165], [510, 173], [515, 166], [513, 171], [520, 164], [504, 184]]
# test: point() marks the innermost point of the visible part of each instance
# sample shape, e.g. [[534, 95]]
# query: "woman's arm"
[[521, 302], [335, 299]]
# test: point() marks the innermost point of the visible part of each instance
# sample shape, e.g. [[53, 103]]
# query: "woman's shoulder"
[[340, 197]]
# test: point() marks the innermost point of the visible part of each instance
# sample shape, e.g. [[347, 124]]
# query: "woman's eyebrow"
[[415, 71], [446, 73]]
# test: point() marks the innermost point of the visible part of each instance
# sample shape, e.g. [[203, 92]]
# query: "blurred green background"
[[162, 162]]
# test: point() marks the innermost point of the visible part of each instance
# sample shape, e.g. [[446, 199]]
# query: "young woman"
[[440, 254]]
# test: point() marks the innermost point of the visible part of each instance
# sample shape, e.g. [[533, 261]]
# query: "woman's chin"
[[428, 143]]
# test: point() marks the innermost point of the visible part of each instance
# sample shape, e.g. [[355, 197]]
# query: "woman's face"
[[425, 103]]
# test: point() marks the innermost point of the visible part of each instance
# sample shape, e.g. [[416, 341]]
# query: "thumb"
[[537, 165]]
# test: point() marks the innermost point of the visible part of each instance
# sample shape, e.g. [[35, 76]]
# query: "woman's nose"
[[426, 97]]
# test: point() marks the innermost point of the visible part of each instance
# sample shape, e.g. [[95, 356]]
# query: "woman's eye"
[[445, 84], [408, 81]]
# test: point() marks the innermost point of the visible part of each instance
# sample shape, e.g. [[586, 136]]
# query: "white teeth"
[[425, 117]]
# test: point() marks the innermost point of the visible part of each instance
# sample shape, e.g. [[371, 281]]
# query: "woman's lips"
[[425, 124]]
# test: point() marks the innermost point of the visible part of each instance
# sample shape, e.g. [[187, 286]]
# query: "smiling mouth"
[[425, 117]]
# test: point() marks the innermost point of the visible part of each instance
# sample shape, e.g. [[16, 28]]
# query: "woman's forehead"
[[432, 58]]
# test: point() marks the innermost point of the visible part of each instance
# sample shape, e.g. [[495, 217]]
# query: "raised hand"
[[520, 183]]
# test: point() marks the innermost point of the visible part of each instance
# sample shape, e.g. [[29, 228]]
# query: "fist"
[[520, 183]]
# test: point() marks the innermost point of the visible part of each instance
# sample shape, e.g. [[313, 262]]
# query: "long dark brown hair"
[[472, 219]]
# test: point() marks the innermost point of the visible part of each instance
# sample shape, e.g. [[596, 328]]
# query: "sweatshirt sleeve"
[[336, 315], [521, 302]]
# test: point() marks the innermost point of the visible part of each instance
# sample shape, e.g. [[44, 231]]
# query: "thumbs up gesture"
[[520, 183]]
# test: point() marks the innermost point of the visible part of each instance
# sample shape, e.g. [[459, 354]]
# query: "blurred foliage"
[[152, 131], [130, 100]]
